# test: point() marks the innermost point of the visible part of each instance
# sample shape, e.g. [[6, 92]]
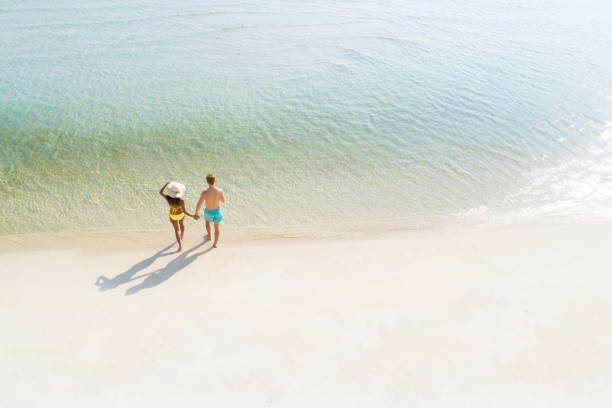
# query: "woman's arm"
[[199, 206], [184, 209], [161, 192]]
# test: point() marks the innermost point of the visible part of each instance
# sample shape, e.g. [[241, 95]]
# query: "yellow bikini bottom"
[[176, 217]]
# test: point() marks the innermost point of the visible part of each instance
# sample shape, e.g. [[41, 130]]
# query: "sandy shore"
[[477, 317]]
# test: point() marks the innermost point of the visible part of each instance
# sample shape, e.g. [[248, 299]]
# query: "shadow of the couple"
[[105, 283], [153, 278]]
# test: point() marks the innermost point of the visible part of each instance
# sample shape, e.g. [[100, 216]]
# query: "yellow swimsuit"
[[176, 213]]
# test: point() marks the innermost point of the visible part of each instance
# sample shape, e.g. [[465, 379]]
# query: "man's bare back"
[[211, 196]]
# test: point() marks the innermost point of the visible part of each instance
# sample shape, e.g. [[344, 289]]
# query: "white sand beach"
[[475, 317]]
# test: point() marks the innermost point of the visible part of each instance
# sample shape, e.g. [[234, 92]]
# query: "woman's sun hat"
[[175, 190]]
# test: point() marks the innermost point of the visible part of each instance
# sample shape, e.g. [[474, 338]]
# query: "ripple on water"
[[320, 117]]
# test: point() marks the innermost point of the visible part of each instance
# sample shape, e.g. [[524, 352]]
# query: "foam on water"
[[318, 118], [577, 189]]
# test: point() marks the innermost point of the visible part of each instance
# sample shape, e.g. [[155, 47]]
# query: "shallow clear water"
[[329, 114]]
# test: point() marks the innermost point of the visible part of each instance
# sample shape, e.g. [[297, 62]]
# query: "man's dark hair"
[[210, 179]]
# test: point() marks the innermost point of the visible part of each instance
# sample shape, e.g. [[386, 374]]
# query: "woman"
[[172, 192]]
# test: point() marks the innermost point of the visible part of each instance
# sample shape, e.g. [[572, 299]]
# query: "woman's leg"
[[182, 228], [175, 224]]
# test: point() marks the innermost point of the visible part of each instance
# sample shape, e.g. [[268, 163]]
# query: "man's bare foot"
[[214, 245], [206, 238]]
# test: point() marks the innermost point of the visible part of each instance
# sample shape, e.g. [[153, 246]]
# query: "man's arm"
[[222, 196], [161, 192], [199, 206]]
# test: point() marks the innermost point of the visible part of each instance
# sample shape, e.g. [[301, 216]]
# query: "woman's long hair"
[[173, 201]]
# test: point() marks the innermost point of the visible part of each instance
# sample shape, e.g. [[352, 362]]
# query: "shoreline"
[[142, 239], [339, 230], [122, 240]]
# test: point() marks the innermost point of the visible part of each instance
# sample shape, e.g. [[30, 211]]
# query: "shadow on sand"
[[152, 278], [105, 283]]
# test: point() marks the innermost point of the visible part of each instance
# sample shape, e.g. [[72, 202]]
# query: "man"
[[213, 212]]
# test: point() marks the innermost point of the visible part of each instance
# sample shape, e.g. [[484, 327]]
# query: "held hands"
[[196, 217]]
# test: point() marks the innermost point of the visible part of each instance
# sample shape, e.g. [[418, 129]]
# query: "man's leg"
[[207, 230], [217, 232]]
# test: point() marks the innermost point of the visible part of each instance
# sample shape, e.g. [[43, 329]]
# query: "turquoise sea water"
[[325, 116]]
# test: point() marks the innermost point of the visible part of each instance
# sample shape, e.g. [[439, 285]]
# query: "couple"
[[173, 193]]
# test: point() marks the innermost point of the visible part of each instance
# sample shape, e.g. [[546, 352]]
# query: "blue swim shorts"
[[215, 216]]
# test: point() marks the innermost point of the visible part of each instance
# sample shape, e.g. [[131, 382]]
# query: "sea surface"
[[318, 117]]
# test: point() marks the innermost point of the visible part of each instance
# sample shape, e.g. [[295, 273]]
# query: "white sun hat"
[[175, 190]]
